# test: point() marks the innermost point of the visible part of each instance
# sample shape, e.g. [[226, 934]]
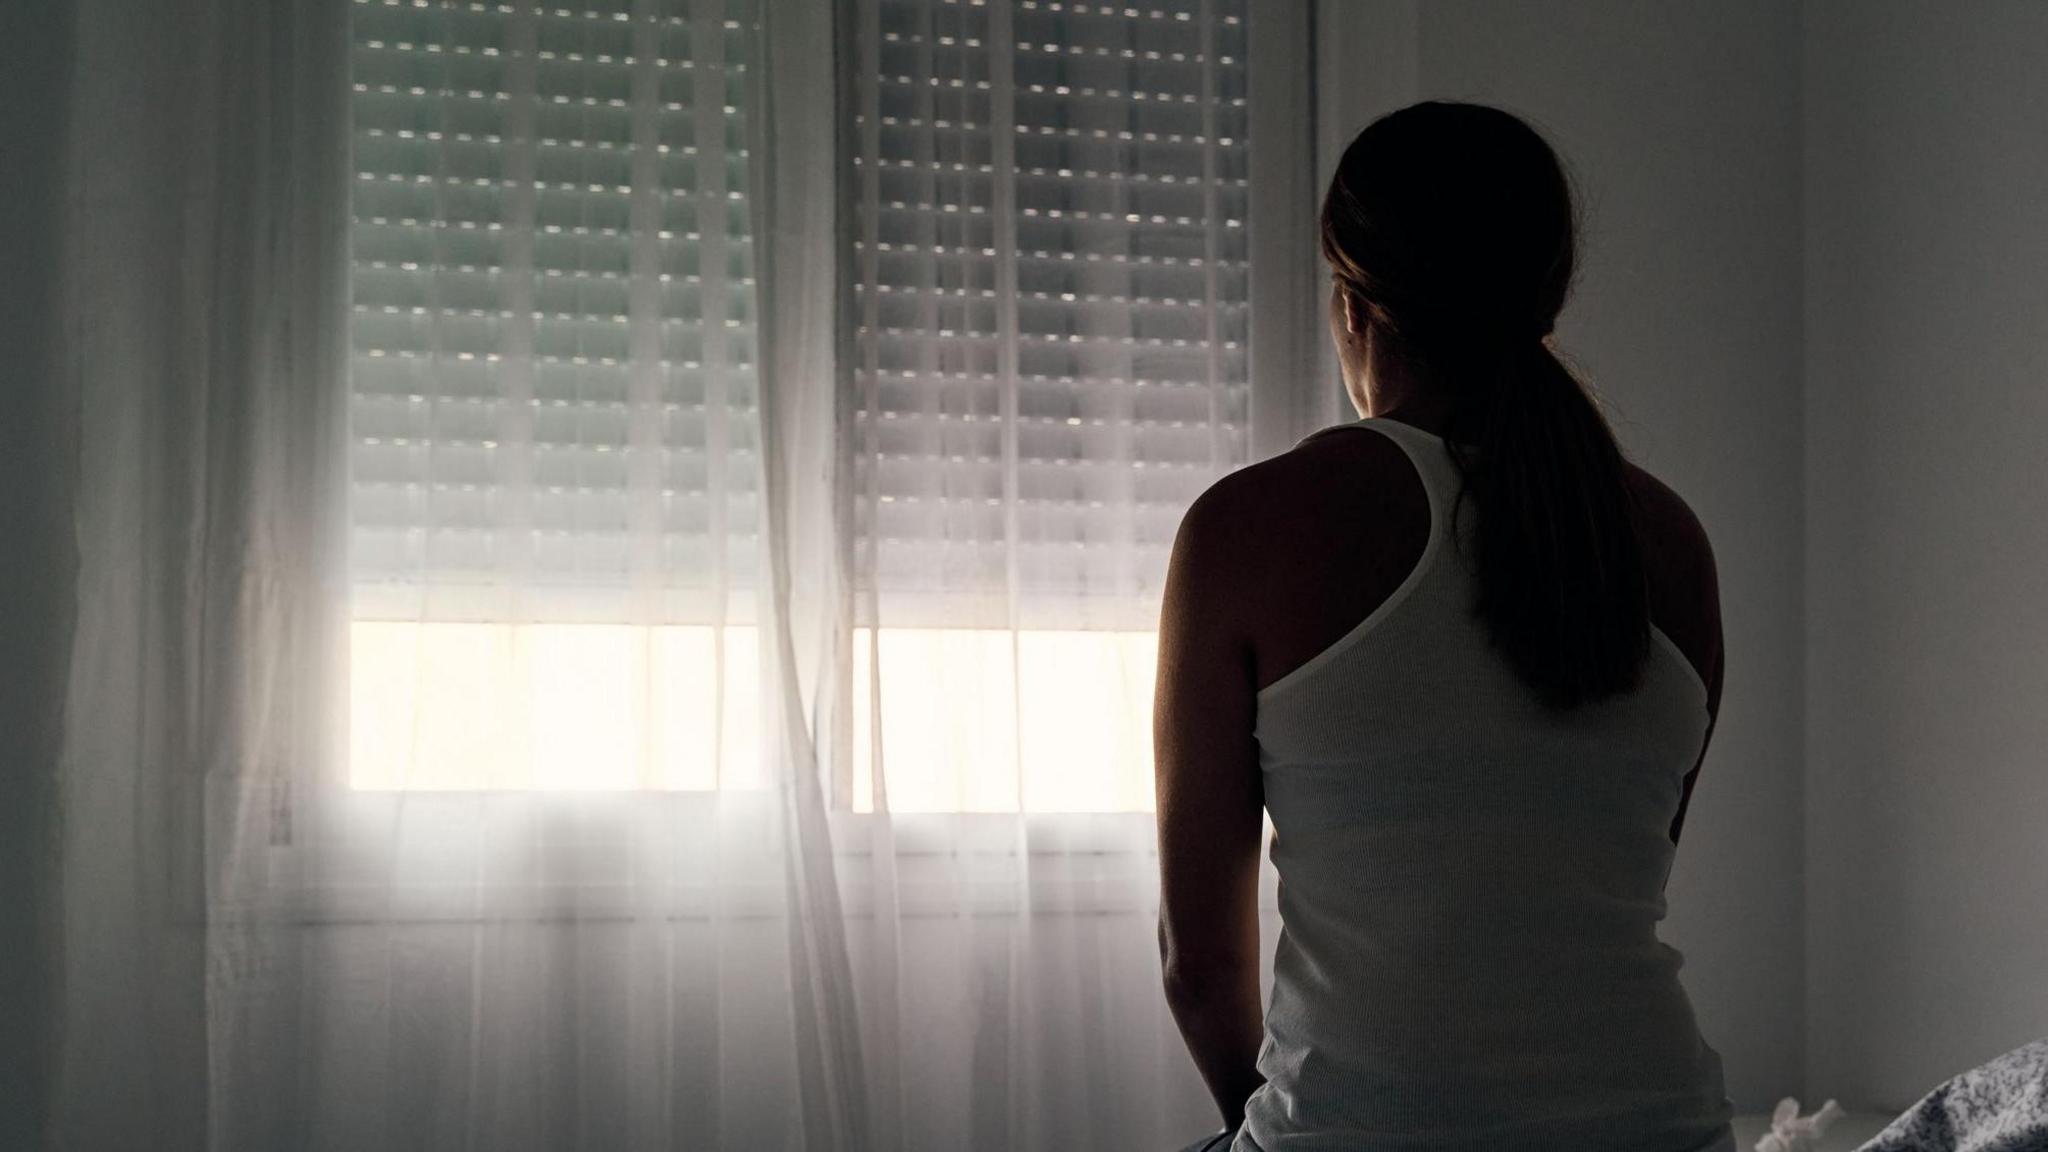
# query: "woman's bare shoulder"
[[1277, 499], [1295, 549], [1673, 528], [1340, 458], [1685, 598]]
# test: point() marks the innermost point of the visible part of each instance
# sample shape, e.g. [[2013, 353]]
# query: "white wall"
[[1681, 122], [1927, 545]]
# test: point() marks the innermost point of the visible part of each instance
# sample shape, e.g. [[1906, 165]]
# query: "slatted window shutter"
[[1052, 300], [553, 384]]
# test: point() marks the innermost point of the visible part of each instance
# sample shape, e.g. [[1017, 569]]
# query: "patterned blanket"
[[2001, 1106]]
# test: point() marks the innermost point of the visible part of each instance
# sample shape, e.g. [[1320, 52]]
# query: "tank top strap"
[[1426, 451]]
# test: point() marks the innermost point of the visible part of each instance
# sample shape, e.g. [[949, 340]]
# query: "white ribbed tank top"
[[1470, 890]]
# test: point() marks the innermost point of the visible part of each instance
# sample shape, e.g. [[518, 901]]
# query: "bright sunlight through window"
[[972, 720]]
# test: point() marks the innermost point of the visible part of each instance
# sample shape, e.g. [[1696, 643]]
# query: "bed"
[[1998, 1106]]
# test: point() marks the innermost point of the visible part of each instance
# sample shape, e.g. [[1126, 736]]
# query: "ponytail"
[[1562, 588]]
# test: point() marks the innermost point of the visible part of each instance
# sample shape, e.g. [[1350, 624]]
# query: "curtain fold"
[[794, 149], [202, 327]]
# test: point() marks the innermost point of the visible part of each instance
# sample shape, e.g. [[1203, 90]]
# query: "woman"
[[1468, 658]]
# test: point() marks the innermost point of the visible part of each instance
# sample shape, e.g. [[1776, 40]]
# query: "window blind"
[[1052, 295], [553, 390]]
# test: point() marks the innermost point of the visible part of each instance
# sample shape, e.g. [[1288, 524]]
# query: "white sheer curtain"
[[617, 550], [1048, 362], [200, 335], [275, 936], [571, 887]]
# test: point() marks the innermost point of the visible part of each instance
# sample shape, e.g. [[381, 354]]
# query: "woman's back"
[[1470, 884]]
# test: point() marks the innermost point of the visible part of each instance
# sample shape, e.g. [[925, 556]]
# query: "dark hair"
[[1454, 227]]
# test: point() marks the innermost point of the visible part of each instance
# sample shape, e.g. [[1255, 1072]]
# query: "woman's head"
[[1451, 235]]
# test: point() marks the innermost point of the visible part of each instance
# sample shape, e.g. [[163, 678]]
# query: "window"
[[1052, 308], [552, 395], [554, 514], [1052, 296]]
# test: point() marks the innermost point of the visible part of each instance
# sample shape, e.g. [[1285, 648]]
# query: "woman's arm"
[[1210, 798]]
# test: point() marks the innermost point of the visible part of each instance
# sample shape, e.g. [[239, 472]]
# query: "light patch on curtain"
[[988, 720], [579, 707], [608, 707]]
